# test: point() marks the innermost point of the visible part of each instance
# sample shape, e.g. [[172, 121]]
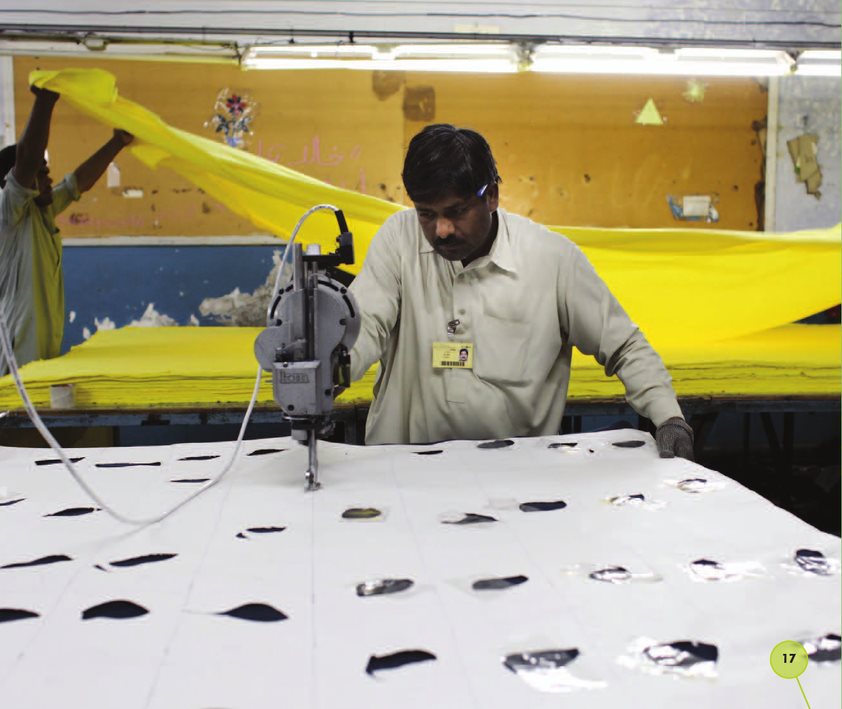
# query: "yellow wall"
[[568, 148]]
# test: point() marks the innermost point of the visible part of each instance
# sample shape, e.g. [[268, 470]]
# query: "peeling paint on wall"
[[803, 150], [808, 104], [387, 83], [152, 318], [155, 285], [105, 324], [243, 309], [419, 103]]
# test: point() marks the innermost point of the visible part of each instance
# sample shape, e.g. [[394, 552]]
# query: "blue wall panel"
[[119, 282]]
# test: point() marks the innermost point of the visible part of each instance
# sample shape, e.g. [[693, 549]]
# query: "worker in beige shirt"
[[474, 312], [31, 278]]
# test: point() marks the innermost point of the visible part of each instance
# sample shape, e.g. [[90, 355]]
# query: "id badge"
[[453, 355]]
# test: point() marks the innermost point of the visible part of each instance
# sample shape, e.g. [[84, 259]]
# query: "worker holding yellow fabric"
[[31, 281], [473, 313]]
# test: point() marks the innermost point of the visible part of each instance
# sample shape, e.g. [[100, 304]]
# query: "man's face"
[[44, 185], [459, 228]]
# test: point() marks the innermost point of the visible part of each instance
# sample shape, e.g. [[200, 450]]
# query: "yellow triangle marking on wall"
[[649, 116]]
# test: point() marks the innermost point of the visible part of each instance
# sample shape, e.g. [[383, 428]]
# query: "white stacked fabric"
[[183, 654]]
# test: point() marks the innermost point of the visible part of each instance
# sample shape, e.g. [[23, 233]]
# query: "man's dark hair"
[[444, 160], [7, 162]]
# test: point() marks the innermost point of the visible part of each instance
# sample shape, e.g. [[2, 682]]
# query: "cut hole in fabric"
[[380, 587], [115, 610], [681, 654], [611, 574], [139, 560], [824, 649], [258, 612], [692, 485], [813, 562], [361, 513], [259, 530], [397, 659], [73, 512], [43, 561], [490, 445], [498, 584], [470, 518], [128, 465], [267, 451], [542, 506], [265, 530], [7, 615], [540, 660], [56, 461], [621, 500]]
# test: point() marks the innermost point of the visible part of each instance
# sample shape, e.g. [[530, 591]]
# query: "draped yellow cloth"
[[682, 286]]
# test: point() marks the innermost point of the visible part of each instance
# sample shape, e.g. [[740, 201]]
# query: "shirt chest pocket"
[[501, 350]]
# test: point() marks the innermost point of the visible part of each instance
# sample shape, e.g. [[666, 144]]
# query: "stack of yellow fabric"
[[174, 367]]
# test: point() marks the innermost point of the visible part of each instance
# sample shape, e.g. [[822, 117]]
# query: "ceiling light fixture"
[[651, 61], [819, 63], [493, 58]]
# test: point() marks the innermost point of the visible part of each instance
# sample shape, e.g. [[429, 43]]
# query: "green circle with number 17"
[[788, 659]]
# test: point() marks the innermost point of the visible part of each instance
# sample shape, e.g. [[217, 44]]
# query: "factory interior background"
[[692, 150], [149, 248]]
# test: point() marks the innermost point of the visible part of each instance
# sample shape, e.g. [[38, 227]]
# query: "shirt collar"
[[501, 250]]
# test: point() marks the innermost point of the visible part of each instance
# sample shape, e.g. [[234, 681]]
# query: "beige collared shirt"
[[524, 307], [31, 278]]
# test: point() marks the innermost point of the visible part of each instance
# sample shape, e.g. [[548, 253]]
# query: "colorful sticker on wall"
[[694, 208], [233, 116], [649, 115], [695, 91], [803, 151]]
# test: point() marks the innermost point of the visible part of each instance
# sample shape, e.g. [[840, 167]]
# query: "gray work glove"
[[674, 437]]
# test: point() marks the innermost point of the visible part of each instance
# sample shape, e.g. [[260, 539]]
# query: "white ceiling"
[[238, 24]]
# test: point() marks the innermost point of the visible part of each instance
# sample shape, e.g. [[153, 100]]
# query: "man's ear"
[[492, 197]]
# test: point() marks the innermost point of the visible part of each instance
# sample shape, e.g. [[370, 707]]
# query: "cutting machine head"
[[312, 325]]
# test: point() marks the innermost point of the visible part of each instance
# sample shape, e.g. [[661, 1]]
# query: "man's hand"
[[674, 438], [44, 93], [122, 137], [91, 170]]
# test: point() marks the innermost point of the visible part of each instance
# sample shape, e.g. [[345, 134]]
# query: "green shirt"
[[31, 280]]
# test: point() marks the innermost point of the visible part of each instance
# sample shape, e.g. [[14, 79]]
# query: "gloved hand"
[[674, 437]]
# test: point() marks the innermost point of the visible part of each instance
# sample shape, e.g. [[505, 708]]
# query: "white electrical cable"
[[288, 250], [8, 351]]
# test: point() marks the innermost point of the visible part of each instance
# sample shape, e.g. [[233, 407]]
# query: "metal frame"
[[701, 411]]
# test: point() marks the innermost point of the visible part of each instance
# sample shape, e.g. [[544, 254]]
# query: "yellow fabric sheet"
[[680, 285], [170, 367]]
